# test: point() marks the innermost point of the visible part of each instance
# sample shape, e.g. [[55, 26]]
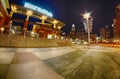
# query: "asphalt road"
[[94, 63]]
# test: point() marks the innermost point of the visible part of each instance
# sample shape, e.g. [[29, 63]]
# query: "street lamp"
[[97, 38], [87, 24], [2, 29]]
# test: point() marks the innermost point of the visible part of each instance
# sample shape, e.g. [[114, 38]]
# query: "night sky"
[[69, 11]]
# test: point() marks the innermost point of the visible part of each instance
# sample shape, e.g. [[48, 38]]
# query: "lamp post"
[[86, 17]]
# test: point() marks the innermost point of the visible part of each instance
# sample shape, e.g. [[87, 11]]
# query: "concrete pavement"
[[25, 63], [76, 62], [93, 63]]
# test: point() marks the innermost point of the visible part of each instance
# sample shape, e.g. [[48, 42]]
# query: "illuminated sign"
[[38, 9]]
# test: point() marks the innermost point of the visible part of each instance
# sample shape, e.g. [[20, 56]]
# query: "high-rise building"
[[105, 34], [116, 24], [73, 32]]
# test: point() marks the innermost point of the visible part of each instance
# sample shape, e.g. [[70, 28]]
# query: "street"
[[94, 63]]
